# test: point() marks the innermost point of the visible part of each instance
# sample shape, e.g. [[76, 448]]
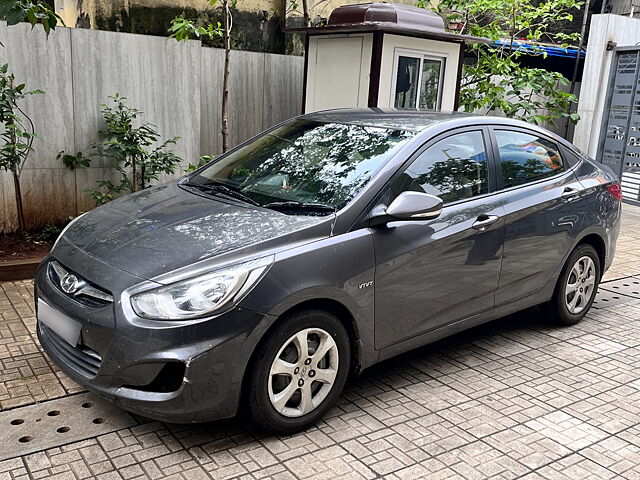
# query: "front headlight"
[[202, 295]]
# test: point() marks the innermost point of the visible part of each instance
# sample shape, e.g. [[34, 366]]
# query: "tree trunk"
[[225, 83], [305, 13], [16, 179], [134, 176], [19, 206]]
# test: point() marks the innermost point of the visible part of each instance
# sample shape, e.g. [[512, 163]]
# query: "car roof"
[[409, 120], [419, 121]]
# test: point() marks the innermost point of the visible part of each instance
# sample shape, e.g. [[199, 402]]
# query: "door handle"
[[569, 193], [483, 221]]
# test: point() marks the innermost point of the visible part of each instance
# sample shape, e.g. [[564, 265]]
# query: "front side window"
[[526, 158], [418, 82], [453, 169], [304, 162]]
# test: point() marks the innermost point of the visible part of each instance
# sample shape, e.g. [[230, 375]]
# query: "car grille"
[[79, 289], [81, 358]]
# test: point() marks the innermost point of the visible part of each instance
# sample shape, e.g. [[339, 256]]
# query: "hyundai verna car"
[[328, 243]]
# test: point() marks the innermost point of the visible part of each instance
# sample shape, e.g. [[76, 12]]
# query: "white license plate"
[[65, 327]]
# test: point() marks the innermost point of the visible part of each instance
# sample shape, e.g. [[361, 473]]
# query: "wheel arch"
[[330, 305], [598, 243]]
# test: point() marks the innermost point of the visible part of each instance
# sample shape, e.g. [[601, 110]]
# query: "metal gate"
[[620, 147]]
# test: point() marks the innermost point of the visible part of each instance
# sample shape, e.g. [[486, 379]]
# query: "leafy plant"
[[496, 81], [50, 233], [47, 234], [74, 161], [204, 159], [137, 156], [182, 29], [16, 11], [18, 133]]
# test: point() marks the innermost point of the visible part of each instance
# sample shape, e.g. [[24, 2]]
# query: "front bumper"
[[129, 356]]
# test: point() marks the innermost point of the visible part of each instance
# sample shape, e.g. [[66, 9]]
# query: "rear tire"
[[292, 384], [576, 287]]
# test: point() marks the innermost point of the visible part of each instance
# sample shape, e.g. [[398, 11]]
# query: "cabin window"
[[418, 81]]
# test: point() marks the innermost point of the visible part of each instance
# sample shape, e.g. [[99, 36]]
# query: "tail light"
[[615, 190]]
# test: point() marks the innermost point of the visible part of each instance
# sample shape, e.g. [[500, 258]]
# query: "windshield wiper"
[[292, 205], [220, 188]]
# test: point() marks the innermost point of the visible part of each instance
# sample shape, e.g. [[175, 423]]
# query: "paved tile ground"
[[516, 398]]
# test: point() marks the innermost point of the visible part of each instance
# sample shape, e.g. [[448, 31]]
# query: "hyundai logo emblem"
[[70, 283]]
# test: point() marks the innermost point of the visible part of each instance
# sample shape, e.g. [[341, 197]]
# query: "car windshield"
[[304, 166]]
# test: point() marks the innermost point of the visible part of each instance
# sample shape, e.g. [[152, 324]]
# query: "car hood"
[[163, 228]]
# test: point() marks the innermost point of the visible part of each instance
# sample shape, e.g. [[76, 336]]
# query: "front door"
[[434, 272]]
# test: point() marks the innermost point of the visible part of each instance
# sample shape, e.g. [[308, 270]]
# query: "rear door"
[[543, 213], [434, 272]]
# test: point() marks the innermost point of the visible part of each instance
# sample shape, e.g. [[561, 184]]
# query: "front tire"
[[299, 371], [576, 287]]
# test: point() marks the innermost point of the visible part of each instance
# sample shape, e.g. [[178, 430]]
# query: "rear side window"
[[453, 169], [526, 158]]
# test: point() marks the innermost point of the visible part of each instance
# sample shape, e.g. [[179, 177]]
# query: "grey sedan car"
[[263, 280]]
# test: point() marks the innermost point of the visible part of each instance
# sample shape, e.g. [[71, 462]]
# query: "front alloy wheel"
[[303, 372], [298, 371]]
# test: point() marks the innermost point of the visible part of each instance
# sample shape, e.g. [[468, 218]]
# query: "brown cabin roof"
[[390, 18]]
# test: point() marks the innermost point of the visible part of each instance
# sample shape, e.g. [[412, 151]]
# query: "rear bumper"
[[124, 363], [612, 234]]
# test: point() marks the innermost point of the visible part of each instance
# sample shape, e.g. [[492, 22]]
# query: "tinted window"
[[526, 158], [306, 161], [452, 169]]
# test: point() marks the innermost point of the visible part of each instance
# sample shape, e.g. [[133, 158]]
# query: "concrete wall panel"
[[43, 64], [211, 69], [283, 78], [178, 86], [246, 93], [157, 75]]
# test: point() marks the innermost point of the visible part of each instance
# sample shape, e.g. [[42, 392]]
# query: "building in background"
[[627, 8], [383, 55], [258, 24]]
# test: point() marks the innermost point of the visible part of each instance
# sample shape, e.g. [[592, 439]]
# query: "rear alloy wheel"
[[299, 371], [580, 285], [576, 287]]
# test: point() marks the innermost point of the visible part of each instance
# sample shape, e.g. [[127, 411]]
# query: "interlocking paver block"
[[516, 398]]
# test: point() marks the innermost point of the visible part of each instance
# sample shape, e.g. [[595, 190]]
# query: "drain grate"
[[617, 291], [605, 298], [629, 286], [54, 423]]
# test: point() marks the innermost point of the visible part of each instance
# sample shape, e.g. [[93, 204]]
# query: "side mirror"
[[410, 206]]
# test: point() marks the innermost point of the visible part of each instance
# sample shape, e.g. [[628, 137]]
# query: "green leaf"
[[15, 11]]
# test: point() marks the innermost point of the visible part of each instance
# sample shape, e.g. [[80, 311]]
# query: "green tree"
[[16, 11], [294, 7], [18, 133], [137, 156], [496, 81], [182, 29]]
